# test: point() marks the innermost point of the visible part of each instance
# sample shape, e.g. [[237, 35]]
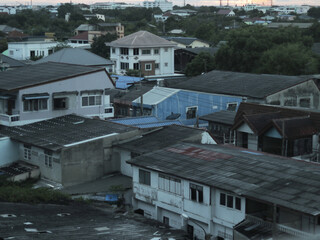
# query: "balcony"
[[9, 120]]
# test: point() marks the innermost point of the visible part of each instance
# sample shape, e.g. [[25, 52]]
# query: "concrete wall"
[[292, 96], [9, 151], [38, 158], [91, 160], [93, 81]]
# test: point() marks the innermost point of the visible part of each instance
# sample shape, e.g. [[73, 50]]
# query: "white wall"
[[126, 168], [9, 151], [21, 50]]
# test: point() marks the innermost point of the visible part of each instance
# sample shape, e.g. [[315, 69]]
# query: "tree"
[[288, 59], [314, 12], [99, 47], [3, 45], [202, 63]]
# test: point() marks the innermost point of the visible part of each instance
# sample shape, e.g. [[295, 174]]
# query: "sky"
[[175, 2]]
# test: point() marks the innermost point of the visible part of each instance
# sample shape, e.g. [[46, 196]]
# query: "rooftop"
[[10, 61], [76, 56], [145, 122], [156, 95], [31, 75], [286, 182], [183, 40], [163, 137], [57, 133], [224, 117], [141, 39], [80, 36], [240, 84]]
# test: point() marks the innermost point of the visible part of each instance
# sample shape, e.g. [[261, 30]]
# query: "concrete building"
[[47, 90], [164, 5], [188, 42], [98, 30], [143, 51], [30, 49], [11, 10], [68, 150], [223, 192], [112, 5]]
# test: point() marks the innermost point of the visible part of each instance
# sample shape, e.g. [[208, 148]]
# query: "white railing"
[[8, 119]]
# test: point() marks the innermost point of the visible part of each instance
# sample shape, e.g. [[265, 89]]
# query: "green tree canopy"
[[202, 63], [99, 47]]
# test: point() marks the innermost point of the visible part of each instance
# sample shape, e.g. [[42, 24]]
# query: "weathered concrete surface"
[[78, 222]]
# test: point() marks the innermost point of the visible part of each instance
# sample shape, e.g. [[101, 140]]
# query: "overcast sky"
[[175, 2]]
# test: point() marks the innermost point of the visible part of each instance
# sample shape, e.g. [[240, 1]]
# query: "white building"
[[111, 5], [227, 193], [30, 49], [164, 5], [143, 51], [8, 9]]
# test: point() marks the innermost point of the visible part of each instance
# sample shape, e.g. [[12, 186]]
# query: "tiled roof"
[[141, 39], [80, 36], [282, 181], [241, 84], [41, 73], [57, 133]]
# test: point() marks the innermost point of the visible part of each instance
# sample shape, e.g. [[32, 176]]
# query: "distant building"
[[111, 5], [226, 12], [187, 42], [100, 29], [97, 16], [143, 51], [11, 10], [164, 5]]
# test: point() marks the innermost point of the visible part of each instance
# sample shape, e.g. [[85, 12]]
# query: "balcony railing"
[[292, 231], [8, 119]]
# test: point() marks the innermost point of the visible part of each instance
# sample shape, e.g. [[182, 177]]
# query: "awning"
[[35, 96]]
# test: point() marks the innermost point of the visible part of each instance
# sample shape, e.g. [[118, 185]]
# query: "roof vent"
[[79, 122]]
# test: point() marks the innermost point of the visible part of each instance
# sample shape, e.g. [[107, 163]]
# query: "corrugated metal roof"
[[56, 133], [240, 84], [156, 95], [41, 73], [123, 82], [224, 117], [145, 122], [286, 182]]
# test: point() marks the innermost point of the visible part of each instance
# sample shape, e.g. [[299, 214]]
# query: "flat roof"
[[31, 75], [287, 182], [57, 133]]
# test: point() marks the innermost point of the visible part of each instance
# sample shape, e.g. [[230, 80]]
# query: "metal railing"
[[9, 118]]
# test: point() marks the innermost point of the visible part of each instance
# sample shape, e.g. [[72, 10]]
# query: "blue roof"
[[145, 122], [123, 82]]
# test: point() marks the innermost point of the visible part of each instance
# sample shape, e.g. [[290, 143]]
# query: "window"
[[35, 105], [124, 66], [146, 51], [165, 220], [27, 152], [166, 64], [196, 193], [136, 51], [191, 112], [136, 66], [304, 102], [238, 203], [113, 50], [48, 158], [91, 100], [11, 52], [222, 199], [156, 51], [60, 103], [148, 66], [169, 184], [124, 51], [230, 201], [156, 65], [144, 177], [232, 106], [32, 54], [166, 49], [108, 110]]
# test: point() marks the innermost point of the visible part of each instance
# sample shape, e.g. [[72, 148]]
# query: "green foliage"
[[3, 45], [60, 46], [314, 12], [288, 59], [245, 48], [23, 192], [202, 63], [99, 47], [133, 73]]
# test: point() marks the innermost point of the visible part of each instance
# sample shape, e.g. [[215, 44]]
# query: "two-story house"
[[225, 192], [144, 52], [47, 90]]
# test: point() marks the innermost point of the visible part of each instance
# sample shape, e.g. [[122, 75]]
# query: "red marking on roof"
[[200, 153]]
